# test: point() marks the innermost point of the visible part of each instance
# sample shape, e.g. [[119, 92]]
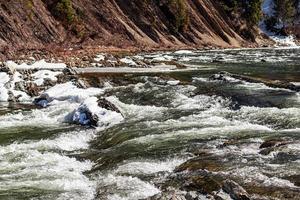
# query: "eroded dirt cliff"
[[141, 24]]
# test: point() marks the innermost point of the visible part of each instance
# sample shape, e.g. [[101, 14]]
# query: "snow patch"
[[42, 64], [41, 75]]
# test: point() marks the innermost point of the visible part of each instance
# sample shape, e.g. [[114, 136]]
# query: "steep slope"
[[51, 24]]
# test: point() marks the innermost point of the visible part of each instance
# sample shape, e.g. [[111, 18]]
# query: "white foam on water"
[[184, 102], [288, 116], [46, 171], [4, 78], [136, 111], [254, 175], [242, 84], [65, 142], [42, 165], [250, 149], [149, 167], [54, 115], [126, 187], [196, 133]]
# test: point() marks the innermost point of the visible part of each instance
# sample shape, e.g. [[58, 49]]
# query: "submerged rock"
[[104, 103], [273, 143]]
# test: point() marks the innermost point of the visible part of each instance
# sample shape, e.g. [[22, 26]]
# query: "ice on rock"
[[42, 64], [4, 79], [69, 91], [90, 113], [183, 52], [41, 75], [100, 57], [128, 61]]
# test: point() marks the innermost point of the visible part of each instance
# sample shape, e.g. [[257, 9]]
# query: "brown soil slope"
[[40, 24]]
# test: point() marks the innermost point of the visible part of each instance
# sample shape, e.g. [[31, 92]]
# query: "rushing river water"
[[170, 118]]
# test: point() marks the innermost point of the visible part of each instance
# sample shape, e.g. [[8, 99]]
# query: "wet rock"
[[90, 113], [11, 97], [103, 103], [192, 195], [180, 195], [85, 117], [272, 192], [218, 60], [212, 164], [273, 143], [235, 191], [43, 101], [203, 183], [263, 60], [169, 195], [294, 179]]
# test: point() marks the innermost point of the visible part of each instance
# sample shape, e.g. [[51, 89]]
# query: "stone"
[[201, 163], [263, 60], [20, 86], [49, 83], [273, 143], [103, 103], [32, 89], [235, 191], [11, 97], [205, 184], [42, 101]]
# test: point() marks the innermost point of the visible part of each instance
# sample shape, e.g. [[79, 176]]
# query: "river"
[[169, 119]]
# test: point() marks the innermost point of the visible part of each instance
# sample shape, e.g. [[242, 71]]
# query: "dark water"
[[167, 122]]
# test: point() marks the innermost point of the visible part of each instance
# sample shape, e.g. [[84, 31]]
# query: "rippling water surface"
[[169, 119]]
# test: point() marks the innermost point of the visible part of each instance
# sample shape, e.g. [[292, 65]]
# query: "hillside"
[[141, 24]]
